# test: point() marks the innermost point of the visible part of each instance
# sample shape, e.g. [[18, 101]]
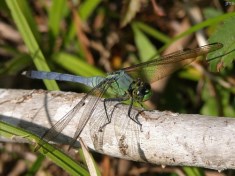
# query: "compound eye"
[[146, 92], [147, 87]]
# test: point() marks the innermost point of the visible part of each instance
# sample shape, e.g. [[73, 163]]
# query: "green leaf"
[[225, 35], [228, 105], [30, 40], [211, 12], [214, 105], [209, 106], [146, 49]]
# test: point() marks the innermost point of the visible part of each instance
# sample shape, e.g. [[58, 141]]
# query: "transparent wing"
[[158, 68], [57, 128], [98, 91]]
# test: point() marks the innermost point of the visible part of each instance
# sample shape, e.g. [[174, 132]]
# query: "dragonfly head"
[[141, 91]]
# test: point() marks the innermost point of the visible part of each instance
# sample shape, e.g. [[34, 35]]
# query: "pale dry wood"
[[167, 138]]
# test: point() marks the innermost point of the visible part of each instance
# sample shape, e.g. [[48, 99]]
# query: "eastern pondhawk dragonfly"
[[131, 83]]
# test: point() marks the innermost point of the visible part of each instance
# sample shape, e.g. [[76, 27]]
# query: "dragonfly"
[[130, 83]]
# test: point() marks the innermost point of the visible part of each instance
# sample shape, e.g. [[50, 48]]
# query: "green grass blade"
[[54, 154], [55, 16], [36, 165], [75, 65], [193, 171], [153, 32], [199, 26], [26, 10], [30, 40], [16, 64], [145, 48], [87, 8]]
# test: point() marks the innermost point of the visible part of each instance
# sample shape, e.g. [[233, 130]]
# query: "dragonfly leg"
[[134, 119], [105, 108]]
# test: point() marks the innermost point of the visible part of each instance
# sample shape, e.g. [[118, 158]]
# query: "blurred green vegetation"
[[92, 37]]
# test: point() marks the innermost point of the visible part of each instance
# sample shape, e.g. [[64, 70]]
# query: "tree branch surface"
[[166, 138]]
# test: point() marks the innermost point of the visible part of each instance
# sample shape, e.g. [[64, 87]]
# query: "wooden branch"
[[166, 138]]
